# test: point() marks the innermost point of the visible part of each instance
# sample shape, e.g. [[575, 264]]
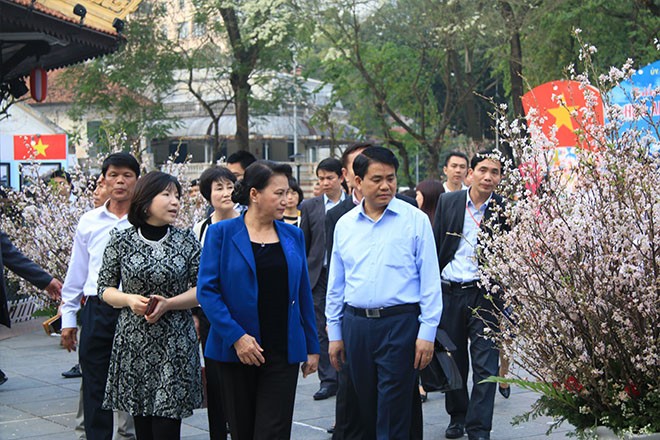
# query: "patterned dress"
[[154, 368]]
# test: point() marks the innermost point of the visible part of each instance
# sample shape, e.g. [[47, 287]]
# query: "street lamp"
[[297, 158]]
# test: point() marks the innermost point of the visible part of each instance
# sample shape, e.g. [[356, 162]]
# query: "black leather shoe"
[[73, 372], [331, 430], [455, 430], [323, 393], [505, 392], [3, 377]]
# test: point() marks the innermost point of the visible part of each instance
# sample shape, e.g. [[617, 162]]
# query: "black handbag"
[[442, 373]]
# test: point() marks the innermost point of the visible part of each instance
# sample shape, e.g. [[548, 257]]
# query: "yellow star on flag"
[[40, 148], [562, 115]]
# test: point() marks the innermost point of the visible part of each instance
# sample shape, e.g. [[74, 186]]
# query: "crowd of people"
[[352, 283]]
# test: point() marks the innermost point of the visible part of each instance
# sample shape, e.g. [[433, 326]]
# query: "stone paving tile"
[[38, 403]]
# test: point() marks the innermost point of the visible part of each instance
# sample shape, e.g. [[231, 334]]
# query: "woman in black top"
[[254, 288]]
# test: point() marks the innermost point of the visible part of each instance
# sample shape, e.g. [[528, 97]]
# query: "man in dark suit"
[[312, 223], [347, 423], [467, 310], [22, 266]]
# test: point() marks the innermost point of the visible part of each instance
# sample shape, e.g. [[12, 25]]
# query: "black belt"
[[457, 285], [383, 312]]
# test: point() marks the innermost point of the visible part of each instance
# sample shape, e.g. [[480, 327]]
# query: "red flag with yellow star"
[[40, 147], [562, 106]]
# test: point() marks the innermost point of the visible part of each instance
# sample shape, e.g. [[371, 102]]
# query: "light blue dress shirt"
[[329, 204], [464, 268], [383, 263]]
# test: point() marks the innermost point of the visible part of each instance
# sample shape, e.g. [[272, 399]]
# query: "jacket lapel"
[[241, 240], [289, 248]]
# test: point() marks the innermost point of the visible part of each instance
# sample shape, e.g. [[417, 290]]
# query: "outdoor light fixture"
[[118, 24], [17, 87], [80, 11]]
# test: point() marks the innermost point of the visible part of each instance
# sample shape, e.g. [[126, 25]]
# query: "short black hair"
[[351, 149], [482, 155], [293, 185], [257, 176], [331, 165], [371, 155], [146, 188], [121, 160], [60, 173], [456, 154], [245, 158], [212, 175]]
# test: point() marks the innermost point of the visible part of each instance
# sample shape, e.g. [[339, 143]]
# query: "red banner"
[[558, 103], [40, 147]]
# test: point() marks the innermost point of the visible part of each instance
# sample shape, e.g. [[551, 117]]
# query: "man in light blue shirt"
[[384, 300]]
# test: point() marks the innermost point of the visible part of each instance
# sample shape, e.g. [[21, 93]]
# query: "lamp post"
[[297, 158]]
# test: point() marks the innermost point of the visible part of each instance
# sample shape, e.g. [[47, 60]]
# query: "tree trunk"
[[241, 88], [515, 65]]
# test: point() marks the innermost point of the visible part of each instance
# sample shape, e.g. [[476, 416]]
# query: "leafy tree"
[[259, 33], [416, 62]]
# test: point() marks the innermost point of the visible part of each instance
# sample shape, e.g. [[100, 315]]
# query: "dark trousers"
[[157, 428], [463, 314], [380, 354], [348, 425], [215, 412], [96, 335], [259, 401], [327, 374]]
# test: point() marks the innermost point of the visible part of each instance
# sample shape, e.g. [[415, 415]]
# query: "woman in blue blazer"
[[254, 288]]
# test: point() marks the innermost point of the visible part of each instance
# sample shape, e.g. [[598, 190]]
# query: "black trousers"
[[463, 315], [157, 428], [215, 412], [259, 401], [327, 374], [96, 335], [380, 354], [348, 425]]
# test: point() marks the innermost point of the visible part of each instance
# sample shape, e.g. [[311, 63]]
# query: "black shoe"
[[479, 438], [505, 392], [455, 430], [73, 372], [424, 397], [324, 392], [331, 430], [3, 377]]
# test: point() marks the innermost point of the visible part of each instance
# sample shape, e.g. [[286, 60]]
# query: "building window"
[[183, 30], [199, 29]]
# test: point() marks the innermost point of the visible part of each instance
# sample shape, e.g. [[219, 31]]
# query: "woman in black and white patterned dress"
[[154, 369]]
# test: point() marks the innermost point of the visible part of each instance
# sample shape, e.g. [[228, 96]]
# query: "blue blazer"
[[228, 292]]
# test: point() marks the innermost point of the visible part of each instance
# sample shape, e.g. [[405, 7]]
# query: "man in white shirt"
[[120, 172], [456, 170]]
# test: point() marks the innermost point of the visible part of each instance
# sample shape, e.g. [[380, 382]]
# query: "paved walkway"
[[37, 402]]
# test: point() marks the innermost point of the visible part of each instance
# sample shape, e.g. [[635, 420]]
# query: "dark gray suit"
[[312, 223], [22, 266], [466, 310]]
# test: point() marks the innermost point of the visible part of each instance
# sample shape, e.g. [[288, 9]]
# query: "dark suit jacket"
[[448, 222], [228, 292], [312, 223], [22, 266], [333, 216]]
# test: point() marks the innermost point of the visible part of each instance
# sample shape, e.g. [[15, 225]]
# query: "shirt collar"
[[327, 200], [394, 207], [470, 203]]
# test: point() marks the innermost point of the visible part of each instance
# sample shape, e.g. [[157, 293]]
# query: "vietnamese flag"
[[40, 147], [556, 101]]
